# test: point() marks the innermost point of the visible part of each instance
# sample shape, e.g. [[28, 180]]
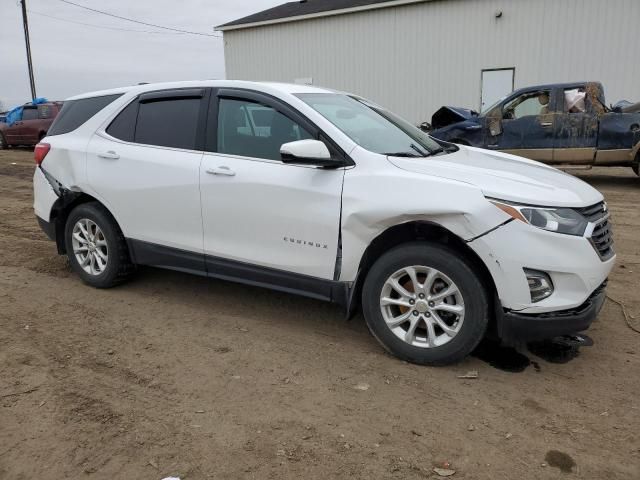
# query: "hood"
[[449, 115], [506, 177], [631, 108]]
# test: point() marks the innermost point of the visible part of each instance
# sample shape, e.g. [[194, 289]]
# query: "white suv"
[[327, 195]]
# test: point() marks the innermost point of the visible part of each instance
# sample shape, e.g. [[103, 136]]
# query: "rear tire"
[[96, 247], [3, 142], [635, 165], [436, 331]]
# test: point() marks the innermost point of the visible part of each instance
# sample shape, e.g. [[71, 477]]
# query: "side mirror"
[[308, 152]]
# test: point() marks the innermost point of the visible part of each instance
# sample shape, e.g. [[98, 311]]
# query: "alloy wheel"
[[422, 306], [90, 246]]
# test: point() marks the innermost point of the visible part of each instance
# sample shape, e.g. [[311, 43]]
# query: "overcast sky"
[[70, 58]]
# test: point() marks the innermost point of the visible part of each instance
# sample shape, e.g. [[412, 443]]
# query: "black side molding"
[[145, 253]]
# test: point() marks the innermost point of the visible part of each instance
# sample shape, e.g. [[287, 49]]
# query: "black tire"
[[451, 264], [635, 165], [3, 142], [118, 266]]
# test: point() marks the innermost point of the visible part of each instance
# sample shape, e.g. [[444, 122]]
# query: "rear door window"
[[76, 112], [165, 122], [169, 123]]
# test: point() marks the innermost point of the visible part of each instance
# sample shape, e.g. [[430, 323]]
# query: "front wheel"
[[635, 165], [425, 304], [3, 142]]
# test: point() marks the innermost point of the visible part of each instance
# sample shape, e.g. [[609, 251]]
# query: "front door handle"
[[222, 170], [110, 155], [546, 124]]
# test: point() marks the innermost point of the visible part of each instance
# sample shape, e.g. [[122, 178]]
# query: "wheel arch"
[[411, 232], [61, 209]]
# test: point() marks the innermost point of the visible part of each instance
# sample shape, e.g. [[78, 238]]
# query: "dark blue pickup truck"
[[560, 124]]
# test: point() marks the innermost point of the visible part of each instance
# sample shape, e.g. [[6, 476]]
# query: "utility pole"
[[25, 24]]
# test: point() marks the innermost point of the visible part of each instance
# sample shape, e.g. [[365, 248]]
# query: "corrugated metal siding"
[[416, 58]]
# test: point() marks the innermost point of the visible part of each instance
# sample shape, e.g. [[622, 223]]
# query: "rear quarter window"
[[76, 112]]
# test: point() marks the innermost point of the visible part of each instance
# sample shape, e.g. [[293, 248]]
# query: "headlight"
[[560, 220]]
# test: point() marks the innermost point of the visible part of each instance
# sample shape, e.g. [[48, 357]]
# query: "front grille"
[[594, 212], [602, 235]]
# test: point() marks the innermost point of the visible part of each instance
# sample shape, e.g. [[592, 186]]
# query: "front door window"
[[249, 129]]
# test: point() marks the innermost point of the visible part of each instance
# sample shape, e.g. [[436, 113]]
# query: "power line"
[[100, 26], [138, 21]]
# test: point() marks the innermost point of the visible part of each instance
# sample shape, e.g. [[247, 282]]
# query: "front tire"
[[3, 142], [425, 304], [96, 247]]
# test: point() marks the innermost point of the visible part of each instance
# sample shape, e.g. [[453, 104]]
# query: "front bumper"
[[519, 327], [572, 262]]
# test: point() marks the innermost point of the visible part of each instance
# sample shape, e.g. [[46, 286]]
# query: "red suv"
[[35, 122]]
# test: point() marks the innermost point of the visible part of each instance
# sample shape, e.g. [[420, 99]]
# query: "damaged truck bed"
[[560, 124]]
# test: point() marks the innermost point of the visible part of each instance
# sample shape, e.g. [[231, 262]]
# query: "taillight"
[[40, 152]]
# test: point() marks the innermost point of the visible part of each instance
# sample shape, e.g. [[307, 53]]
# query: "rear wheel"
[[3, 142], [635, 165], [425, 304], [96, 247]]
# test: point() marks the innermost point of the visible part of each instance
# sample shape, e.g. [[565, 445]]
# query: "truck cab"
[[558, 124]]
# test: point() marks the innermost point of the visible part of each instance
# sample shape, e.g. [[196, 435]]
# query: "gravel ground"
[[178, 375]]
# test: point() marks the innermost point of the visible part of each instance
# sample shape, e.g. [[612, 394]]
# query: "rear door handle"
[[546, 124], [110, 155], [222, 170]]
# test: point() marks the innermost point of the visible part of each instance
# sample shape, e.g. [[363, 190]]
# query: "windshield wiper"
[[419, 153], [447, 149], [419, 150], [403, 154]]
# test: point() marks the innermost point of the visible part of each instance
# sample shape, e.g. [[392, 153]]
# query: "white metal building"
[[414, 56]]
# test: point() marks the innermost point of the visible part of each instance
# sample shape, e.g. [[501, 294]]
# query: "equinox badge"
[[304, 242]]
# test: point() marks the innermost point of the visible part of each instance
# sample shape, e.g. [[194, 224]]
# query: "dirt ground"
[[179, 375]]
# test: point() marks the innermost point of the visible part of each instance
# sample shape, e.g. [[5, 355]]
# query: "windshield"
[[494, 105], [372, 127]]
